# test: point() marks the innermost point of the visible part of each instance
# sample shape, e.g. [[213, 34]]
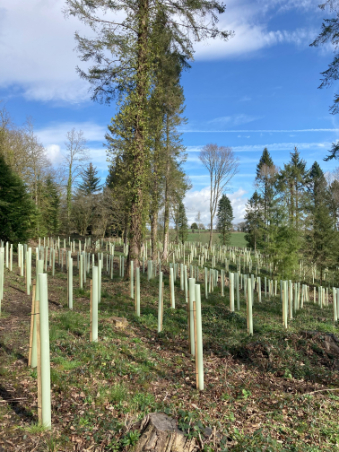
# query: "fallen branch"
[[321, 390], [13, 400]]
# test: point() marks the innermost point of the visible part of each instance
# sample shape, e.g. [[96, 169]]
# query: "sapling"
[[231, 289], [160, 305], [171, 277], [44, 352], [94, 303], [81, 270], [249, 307], [99, 278], [199, 348], [191, 300], [335, 313], [132, 279], [222, 281], [70, 282], [29, 271], [137, 290]]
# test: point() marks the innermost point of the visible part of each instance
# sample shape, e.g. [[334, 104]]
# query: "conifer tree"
[[123, 54], [181, 223], [254, 219], [225, 218], [292, 183], [321, 235], [90, 183], [50, 207], [17, 210]]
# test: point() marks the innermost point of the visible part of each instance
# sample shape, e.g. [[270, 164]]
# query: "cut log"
[[159, 433]]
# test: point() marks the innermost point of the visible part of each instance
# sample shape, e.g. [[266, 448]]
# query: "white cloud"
[[37, 44], [261, 131], [56, 133], [234, 120], [37, 51], [285, 146], [199, 200], [53, 138], [250, 38], [54, 154]]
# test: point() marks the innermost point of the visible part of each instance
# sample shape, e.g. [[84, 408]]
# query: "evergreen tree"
[[329, 34], [50, 208], [225, 218], [265, 180], [17, 210], [292, 183], [90, 183], [321, 235], [334, 192], [181, 223], [123, 53], [254, 221]]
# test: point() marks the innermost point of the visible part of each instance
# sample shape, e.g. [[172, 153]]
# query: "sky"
[[257, 90]]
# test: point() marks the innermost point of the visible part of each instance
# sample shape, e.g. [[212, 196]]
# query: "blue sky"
[[259, 89]]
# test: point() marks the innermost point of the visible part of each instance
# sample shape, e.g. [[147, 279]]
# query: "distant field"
[[237, 238]]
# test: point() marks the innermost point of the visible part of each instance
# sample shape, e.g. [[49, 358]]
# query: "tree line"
[[292, 217]]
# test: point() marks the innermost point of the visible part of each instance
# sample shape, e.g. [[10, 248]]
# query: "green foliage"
[[50, 208], [90, 182], [254, 221], [138, 45], [180, 220], [321, 235], [225, 218], [17, 211]]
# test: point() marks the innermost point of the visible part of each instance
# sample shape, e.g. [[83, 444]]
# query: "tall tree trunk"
[[155, 196], [166, 196], [211, 234], [139, 159], [154, 230], [69, 199]]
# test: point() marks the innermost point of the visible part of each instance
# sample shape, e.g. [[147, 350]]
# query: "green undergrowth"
[[100, 390]]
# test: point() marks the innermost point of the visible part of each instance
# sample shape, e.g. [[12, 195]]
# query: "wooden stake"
[[189, 327], [91, 310]]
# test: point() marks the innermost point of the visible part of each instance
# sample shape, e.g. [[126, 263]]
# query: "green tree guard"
[[249, 307], [191, 283], [335, 313], [132, 279], [95, 302], [137, 277], [160, 304], [70, 282], [199, 351], [232, 292], [44, 352], [29, 271], [172, 288]]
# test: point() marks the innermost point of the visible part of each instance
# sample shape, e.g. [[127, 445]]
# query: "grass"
[[259, 391], [237, 238]]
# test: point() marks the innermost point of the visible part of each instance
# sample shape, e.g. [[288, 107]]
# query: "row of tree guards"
[[293, 295]]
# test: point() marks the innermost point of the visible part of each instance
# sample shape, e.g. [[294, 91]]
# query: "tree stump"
[[159, 433]]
